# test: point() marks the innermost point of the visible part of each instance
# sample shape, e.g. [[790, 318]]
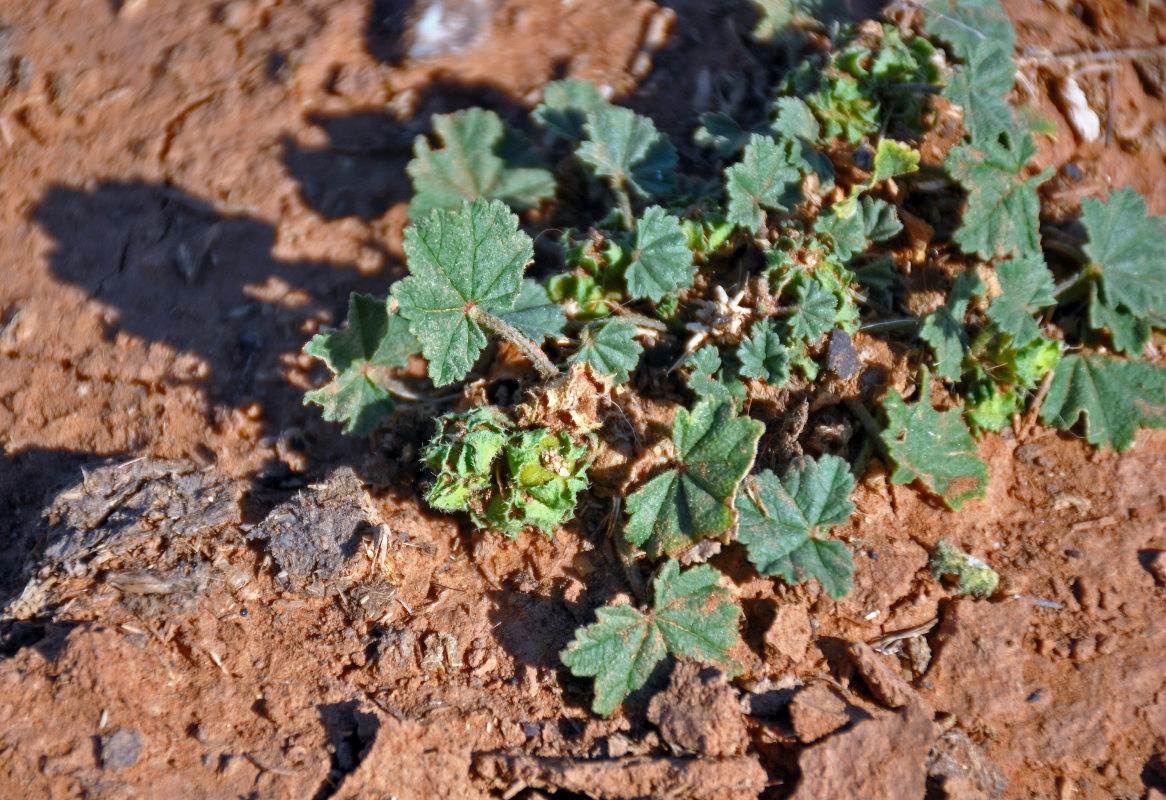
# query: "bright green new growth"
[[780, 522], [974, 576], [693, 499], [506, 480], [934, 448], [359, 357], [479, 158], [465, 270], [689, 618]]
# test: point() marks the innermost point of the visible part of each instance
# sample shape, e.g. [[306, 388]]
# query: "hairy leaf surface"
[[1002, 217], [626, 148], [1127, 250], [763, 356], [693, 499], [689, 618], [478, 157], [934, 448], [661, 262], [373, 340], [1115, 398], [781, 522], [768, 177], [610, 347], [1026, 288], [472, 256]]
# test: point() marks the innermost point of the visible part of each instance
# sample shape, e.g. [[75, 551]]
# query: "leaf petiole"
[[532, 351]]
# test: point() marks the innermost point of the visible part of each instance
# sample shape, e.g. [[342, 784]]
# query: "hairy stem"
[[511, 334], [625, 204], [901, 323]]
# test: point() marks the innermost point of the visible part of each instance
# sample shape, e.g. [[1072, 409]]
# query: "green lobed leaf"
[[814, 313], [535, 315], [1002, 216], [780, 522], [565, 106], [768, 177], [944, 330], [1127, 250], [979, 88], [693, 500], [1026, 289], [708, 378], [794, 119], [852, 225], [661, 262], [963, 24], [690, 618], [843, 109], [373, 340], [763, 357], [934, 448], [610, 347], [478, 158], [1114, 396], [472, 256], [1129, 334], [626, 148]]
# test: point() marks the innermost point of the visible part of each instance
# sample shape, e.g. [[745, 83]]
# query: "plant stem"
[[511, 334], [625, 204], [1067, 288], [901, 323], [639, 319]]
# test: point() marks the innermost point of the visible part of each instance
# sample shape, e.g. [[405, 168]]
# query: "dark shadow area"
[[532, 627], [360, 172], [47, 637], [29, 479], [350, 733], [176, 271]]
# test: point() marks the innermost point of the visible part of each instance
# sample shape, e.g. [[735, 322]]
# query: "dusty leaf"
[[689, 618], [934, 448], [1001, 217], [782, 522], [627, 150], [661, 262], [1115, 397], [768, 177], [763, 356], [1127, 252], [534, 314], [565, 107], [1026, 289], [944, 329], [610, 347], [693, 499]]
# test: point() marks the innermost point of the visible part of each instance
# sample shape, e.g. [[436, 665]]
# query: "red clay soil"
[[192, 189]]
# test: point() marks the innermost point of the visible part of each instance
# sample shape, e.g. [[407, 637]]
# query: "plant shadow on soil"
[[29, 479], [180, 273]]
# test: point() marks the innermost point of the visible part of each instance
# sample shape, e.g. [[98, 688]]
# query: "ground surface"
[[204, 602]]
